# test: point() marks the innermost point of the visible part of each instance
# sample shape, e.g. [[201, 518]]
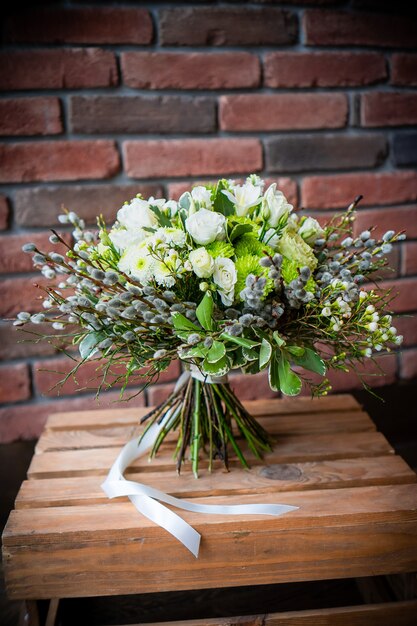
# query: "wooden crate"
[[357, 512]]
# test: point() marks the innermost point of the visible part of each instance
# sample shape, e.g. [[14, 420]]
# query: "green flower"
[[249, 264], [220, 248], [290, 271], [294, 248], [249, 244]]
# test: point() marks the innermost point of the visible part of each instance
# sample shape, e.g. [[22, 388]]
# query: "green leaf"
[[241, 341], [311, 361], [290, 383], [239, 230], [216, 352], [88, 345], [278, 339], [296, 351], [220, 368], [221, 203], [250, 354], [273, 374], [182, 323], [251, 368], [238, 360], [265, 354], [162, 219], [204, 311], [185, 201], [199, 352]]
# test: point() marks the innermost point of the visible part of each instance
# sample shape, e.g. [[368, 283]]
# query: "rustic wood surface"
[[357, 511]]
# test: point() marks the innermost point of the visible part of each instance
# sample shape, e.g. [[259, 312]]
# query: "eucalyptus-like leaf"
[[185, 201], [216, 352], [289, 382], [311, 361], [88, 345], [265, 353], [204, 311]]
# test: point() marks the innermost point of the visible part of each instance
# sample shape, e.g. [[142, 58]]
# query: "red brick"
[[14, 383], [283, 112], [404, 292], [404, 69], [58, 160], [26, 421], [30, 116], [323, 69], [176, 70], [409, 258], [406, 326], [47, 375], [12, 259], [254, 387], [393, 218], [22, 294], [158, 393], [286, 185], [40, 206], [388, 109], [108, 25], [409, 364], [4, 213], [57, 69], [327, 192], [18, 342], [342, 28], [191, 157], [160, 114], [226, 26]]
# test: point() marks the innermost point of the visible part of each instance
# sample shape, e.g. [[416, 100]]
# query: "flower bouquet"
[[228, 277]]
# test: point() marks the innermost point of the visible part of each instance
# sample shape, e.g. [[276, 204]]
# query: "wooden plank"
[[334, 534], [113, 417], [304, 423], [288, 449], [383, 614], [332, 474]]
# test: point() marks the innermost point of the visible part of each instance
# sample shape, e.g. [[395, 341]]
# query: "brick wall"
[[102, 101]]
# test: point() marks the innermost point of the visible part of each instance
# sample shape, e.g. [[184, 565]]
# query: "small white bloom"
[[362, 295], [275, 206], [206, 226], [171, 207], [310, 230], [137, 214], [202, 263], [225, 276], [171, 236], [372, 326], [367, 352], [203, 196], [398, 340], [375, 317], [392, 331], [370, 308], [326, 311], [244, 197]]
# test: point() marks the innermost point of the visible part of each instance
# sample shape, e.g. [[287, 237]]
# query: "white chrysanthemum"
[[203, 196], [244, 197], [137, 262], [171, 236]]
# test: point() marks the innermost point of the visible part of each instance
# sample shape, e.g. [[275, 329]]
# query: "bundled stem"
[[204, 413]]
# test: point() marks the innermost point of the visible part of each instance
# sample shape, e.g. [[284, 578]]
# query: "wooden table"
[[357, 513]]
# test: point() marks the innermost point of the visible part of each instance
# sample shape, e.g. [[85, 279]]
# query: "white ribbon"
[[147, 500]]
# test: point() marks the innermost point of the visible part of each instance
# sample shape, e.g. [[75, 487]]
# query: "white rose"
[[122, 238], [206, 226], [274, 206], [202, 196], [310, 230], [225, 276], [244, 197], [137, 214], [202, 262]]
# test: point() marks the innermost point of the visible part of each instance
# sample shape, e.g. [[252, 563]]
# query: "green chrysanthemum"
[[290, 271], [220, 248], [250, 245], [249, 264]]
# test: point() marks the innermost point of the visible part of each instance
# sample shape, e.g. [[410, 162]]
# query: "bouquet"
[[227, 277]]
